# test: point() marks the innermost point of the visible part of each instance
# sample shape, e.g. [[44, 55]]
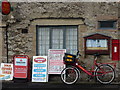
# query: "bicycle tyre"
[[105, 78], [69, 75]]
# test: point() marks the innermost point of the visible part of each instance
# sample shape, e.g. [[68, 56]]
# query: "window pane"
[[71, 39], [107, 24], [57, 38], [43, 40]]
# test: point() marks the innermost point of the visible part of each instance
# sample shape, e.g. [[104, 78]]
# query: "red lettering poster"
[[55, 61], [39, 69], [6, 72]]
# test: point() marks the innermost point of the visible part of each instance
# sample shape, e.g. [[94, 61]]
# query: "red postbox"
[[21, 67], [115, 49], [6, 7]]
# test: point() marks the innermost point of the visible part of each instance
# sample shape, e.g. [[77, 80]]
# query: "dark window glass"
[[24, 30], [107, 24]]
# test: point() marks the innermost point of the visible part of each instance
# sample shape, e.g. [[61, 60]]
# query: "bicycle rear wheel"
[[105, 74], [69, 75]]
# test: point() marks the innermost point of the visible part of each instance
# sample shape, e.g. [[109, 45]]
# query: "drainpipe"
[[7, 42]]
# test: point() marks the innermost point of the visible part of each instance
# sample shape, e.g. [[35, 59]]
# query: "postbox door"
[[115, 50]]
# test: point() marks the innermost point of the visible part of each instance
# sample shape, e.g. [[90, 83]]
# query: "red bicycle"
[[103, 72]]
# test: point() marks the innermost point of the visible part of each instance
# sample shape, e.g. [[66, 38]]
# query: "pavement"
[[11, 85]]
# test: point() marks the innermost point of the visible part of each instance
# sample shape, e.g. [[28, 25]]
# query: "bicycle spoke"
[[105, 74], [69, 75]]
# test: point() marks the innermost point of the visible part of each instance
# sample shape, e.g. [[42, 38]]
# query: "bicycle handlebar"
[[96, 54]]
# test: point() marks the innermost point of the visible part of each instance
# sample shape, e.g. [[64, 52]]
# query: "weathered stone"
[[25, 14]]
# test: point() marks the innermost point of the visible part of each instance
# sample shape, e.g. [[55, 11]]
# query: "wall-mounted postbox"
[[115, 49], [21, 67]]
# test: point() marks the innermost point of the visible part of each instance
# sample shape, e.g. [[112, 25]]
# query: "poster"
[[96, 44], [20, 66], [6, 72], [55, 61], [39, 69]]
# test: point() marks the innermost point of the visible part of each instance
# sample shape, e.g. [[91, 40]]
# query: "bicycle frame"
[[91, 72], [83, 69]]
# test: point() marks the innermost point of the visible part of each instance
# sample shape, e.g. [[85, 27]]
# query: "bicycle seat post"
[[96, 55]]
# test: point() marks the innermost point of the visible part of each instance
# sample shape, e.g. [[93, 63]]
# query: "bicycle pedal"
[[88, 80]]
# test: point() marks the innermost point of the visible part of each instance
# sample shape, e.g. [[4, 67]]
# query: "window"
[[24, 31], [56, 37], [106, 24]]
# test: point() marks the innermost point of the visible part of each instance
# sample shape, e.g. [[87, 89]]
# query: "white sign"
[[6, 71], [39, 70], [55, 61], [21, 61]]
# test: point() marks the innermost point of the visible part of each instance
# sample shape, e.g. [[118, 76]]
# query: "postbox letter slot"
[[115, 49]]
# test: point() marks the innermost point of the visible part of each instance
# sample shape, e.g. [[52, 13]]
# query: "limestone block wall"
[[25, 14]]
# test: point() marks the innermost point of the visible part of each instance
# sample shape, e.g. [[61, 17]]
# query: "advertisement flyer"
[[39, 69], [6, 72], [55, 61], [20, 67]]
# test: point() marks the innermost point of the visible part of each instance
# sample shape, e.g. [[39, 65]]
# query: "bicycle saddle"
[[96, 54]]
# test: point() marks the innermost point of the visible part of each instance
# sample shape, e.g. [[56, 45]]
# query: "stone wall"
[[24, 14]]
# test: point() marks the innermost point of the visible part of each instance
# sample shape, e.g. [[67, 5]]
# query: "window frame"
[[51, 27]]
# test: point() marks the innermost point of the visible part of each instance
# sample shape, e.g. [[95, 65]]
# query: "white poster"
[[96, 44], [55, 61], [6, 71], [21, 61], [39, 69]]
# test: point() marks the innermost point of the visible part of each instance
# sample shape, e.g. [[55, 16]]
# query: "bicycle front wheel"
[[69, 75], [105, 74]]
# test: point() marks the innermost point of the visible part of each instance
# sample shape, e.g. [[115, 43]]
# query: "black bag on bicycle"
[[69, 58]]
